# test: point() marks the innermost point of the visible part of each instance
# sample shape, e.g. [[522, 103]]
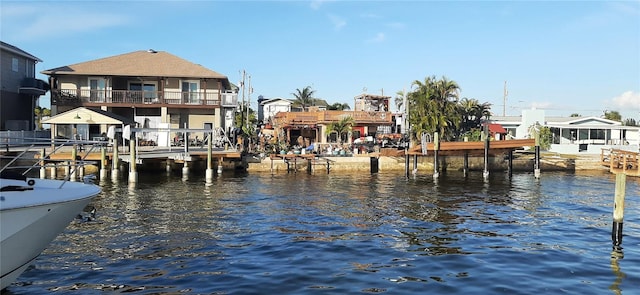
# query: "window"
[[190, 91], [146, 90], [97, 87], [14, 64]]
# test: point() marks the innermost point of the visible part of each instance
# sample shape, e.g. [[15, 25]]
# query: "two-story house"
[[370, 117], [20, 90], [268, 108], [156, 89]]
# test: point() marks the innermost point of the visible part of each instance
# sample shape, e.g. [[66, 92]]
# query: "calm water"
[[345, 234]]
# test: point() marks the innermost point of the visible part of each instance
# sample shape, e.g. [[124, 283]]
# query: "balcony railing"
[[138, 97], [325, 117], [33, 86]]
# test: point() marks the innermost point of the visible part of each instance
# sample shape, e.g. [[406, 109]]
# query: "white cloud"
[[541, 105], [377, 39], [337, 21], [47, 25], [315, 4], [628, 99], [25, 23]]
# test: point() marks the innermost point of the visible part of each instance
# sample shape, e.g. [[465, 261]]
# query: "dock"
[[472, 148], [621, 161], [311, 160]]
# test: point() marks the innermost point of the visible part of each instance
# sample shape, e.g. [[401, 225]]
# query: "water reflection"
[[348, 233]]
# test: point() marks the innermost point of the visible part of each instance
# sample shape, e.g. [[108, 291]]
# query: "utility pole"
[[249, 100], [242, 105], [504, 100]]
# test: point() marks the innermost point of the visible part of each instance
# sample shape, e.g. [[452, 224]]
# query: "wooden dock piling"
[[618, 214], [436, 148], [133, 173], [209, 171], [43, 171]]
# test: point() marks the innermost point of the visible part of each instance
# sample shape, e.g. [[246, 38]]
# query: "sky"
[[564, 57]]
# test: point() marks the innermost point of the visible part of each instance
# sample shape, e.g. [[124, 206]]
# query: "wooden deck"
[[473, 148], [146, 153], [621, 161]]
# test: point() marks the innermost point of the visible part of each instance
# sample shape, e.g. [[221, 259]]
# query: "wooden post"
[[103, 162], [54, 170], [465, 169], [115, 160], [536, 170], [510, 163], [185, 168], [133, 173], [485, 173], [220, 160], [309, 165], [373, 162], [436, 148], [618, 214], [74, 155], [209, 171], [415, 164], [406, 164], [43, 171]]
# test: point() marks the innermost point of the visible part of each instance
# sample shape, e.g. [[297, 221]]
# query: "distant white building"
[[573, 135], [268, 108]]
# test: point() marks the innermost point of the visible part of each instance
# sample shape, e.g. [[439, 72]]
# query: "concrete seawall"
[[521, 162]]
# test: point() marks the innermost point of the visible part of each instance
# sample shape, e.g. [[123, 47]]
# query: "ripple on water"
[[344, 234]]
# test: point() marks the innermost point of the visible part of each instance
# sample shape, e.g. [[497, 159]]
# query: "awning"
[[496, 128], [83, 115]]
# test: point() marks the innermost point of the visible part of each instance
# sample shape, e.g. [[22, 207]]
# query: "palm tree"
[[472, 112], [399, 100], [41, 112], [339, 106], [341, 127], [433, 107], [304, 97]]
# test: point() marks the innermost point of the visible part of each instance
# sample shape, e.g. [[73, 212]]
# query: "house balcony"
[[33, 86], [139, 98]]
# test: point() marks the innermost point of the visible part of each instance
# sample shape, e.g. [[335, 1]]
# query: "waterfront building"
[[371, 116], [268, 108], [573, 135], [156, 89], [20, 90]]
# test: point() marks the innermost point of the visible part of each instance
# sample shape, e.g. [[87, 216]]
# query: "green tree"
[[574, 115], [304, 97], [544, 134], [433, 107], [40, 113], [630, 122], [399, 100], [341, 127], [472, 112], [613, 115], [339, 106]]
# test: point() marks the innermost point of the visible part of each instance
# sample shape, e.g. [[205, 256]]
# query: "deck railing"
[[310, 118], [129, 97], [621, 161]]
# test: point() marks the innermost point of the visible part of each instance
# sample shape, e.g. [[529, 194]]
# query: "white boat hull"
[[31, 219]]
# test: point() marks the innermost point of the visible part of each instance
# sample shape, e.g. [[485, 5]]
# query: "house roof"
[[18, 51], [272, 100], [84, 115], [496, 128], [143, 63]]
